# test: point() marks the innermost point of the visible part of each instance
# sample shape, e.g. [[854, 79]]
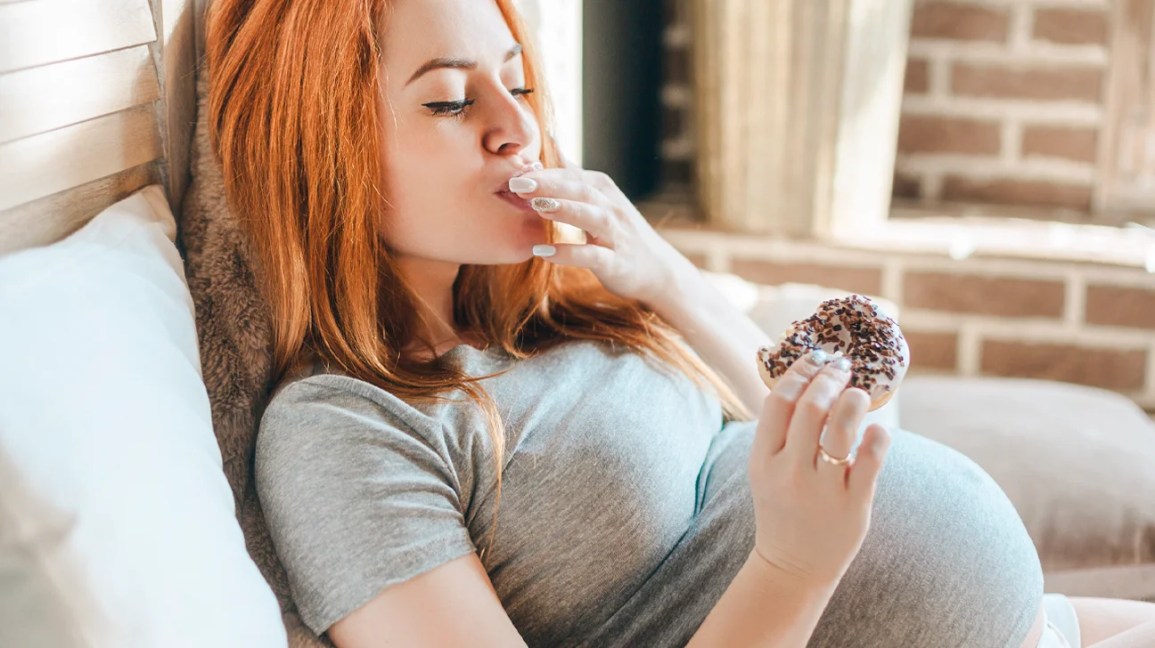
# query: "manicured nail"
[[537, 166], [818, 357], [842, 364], [544, 250], [522, 185], [545, 204]]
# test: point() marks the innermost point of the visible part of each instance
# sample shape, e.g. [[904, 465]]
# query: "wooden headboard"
[[97, 99]]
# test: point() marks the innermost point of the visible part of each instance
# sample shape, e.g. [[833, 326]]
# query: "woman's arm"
[[717, 330], [633, 261]]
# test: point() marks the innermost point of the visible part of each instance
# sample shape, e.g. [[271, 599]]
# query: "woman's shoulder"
[[314, 407], [311, 377], [316, 383]]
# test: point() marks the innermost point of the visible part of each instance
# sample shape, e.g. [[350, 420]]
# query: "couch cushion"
[[1078, 463]]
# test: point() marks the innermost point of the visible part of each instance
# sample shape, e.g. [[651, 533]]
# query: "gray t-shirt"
[[603, 454], [625, 509]]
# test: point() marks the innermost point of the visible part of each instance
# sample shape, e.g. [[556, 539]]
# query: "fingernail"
[[544, 250], [545, 204], [537, 166], [842, 364], [522, 185], [818, 357]]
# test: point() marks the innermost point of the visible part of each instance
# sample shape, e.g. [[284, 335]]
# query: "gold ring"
[[834, 460]]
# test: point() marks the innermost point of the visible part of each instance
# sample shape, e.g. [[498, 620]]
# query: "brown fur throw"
[[234, 336]]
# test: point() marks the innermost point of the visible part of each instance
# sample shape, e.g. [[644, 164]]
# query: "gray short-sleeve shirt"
[[625, 509], [603, 452]]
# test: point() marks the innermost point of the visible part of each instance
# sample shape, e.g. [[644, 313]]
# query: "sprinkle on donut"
[[853, 327]]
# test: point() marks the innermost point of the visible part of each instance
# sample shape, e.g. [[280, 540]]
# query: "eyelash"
[[457, 108]]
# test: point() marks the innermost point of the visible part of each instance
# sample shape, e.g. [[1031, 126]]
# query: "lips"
[[515, 200], [502, 190], [504, 185]]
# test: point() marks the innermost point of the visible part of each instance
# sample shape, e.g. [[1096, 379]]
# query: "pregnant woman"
[[485, 436]]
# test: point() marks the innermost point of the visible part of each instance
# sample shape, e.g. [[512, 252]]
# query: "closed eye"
[[457, 108], [449, 107]]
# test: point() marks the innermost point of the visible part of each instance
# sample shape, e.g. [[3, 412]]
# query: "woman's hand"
[[625, 253], [811, 516]]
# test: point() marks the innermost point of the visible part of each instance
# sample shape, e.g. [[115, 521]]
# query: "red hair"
[[294, 116]]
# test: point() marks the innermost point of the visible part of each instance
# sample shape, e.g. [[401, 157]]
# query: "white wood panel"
[[35, 33], [51, 218], [45, 97], [44, 164]]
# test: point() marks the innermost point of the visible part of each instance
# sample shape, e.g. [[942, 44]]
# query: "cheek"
[[427, 165]]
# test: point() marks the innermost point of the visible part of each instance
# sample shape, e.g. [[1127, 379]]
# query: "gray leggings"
[[946, 562]]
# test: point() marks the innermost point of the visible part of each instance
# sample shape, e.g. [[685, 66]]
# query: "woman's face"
[[445, 163]]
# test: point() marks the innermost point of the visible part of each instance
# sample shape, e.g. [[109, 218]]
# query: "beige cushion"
[[1077, 462]]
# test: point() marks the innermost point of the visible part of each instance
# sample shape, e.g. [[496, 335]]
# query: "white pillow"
[[117, 525]]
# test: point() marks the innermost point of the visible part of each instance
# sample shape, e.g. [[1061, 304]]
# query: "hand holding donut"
[[811, 515]]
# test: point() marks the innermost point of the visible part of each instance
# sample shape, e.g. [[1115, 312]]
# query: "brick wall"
[[677, 112], [1003, 105], [1003, 102], [1084, 323]]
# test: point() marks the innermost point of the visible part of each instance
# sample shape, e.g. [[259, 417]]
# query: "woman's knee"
[[1102, 618]]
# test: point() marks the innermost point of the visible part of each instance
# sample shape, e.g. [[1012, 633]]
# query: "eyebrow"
[[457, 63]]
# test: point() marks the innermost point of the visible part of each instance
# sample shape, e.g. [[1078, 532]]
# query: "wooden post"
[[176, 32], [796, 105], [1126, 171]]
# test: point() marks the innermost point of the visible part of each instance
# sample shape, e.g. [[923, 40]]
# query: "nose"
[[510, 126]]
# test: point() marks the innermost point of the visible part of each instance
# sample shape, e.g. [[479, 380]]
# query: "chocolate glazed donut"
[[853, 327]]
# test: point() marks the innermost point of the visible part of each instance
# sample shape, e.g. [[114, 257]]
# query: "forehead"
[[418, 30]]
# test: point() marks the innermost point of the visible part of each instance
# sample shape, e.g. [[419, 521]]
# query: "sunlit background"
[[987, 165]]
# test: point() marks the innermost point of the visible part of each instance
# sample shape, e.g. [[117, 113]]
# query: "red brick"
[[673, 123], [1078, 144], [677, 65], [1052, 83], [957, 21], [677, 172], [1108, 368], [1121, 306], [1071, 26], [1000, 296], [932, 350], [864, 280], [907, 186], [1016, 192], [917, 77], [929, 134]]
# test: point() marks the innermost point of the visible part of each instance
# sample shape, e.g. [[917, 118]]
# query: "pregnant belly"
[[947, 560], [946, 563]]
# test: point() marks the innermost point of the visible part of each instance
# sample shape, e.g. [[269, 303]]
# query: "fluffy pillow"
[[117, 524], [234, 329]]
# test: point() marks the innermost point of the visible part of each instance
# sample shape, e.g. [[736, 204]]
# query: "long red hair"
[[295, 119]]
